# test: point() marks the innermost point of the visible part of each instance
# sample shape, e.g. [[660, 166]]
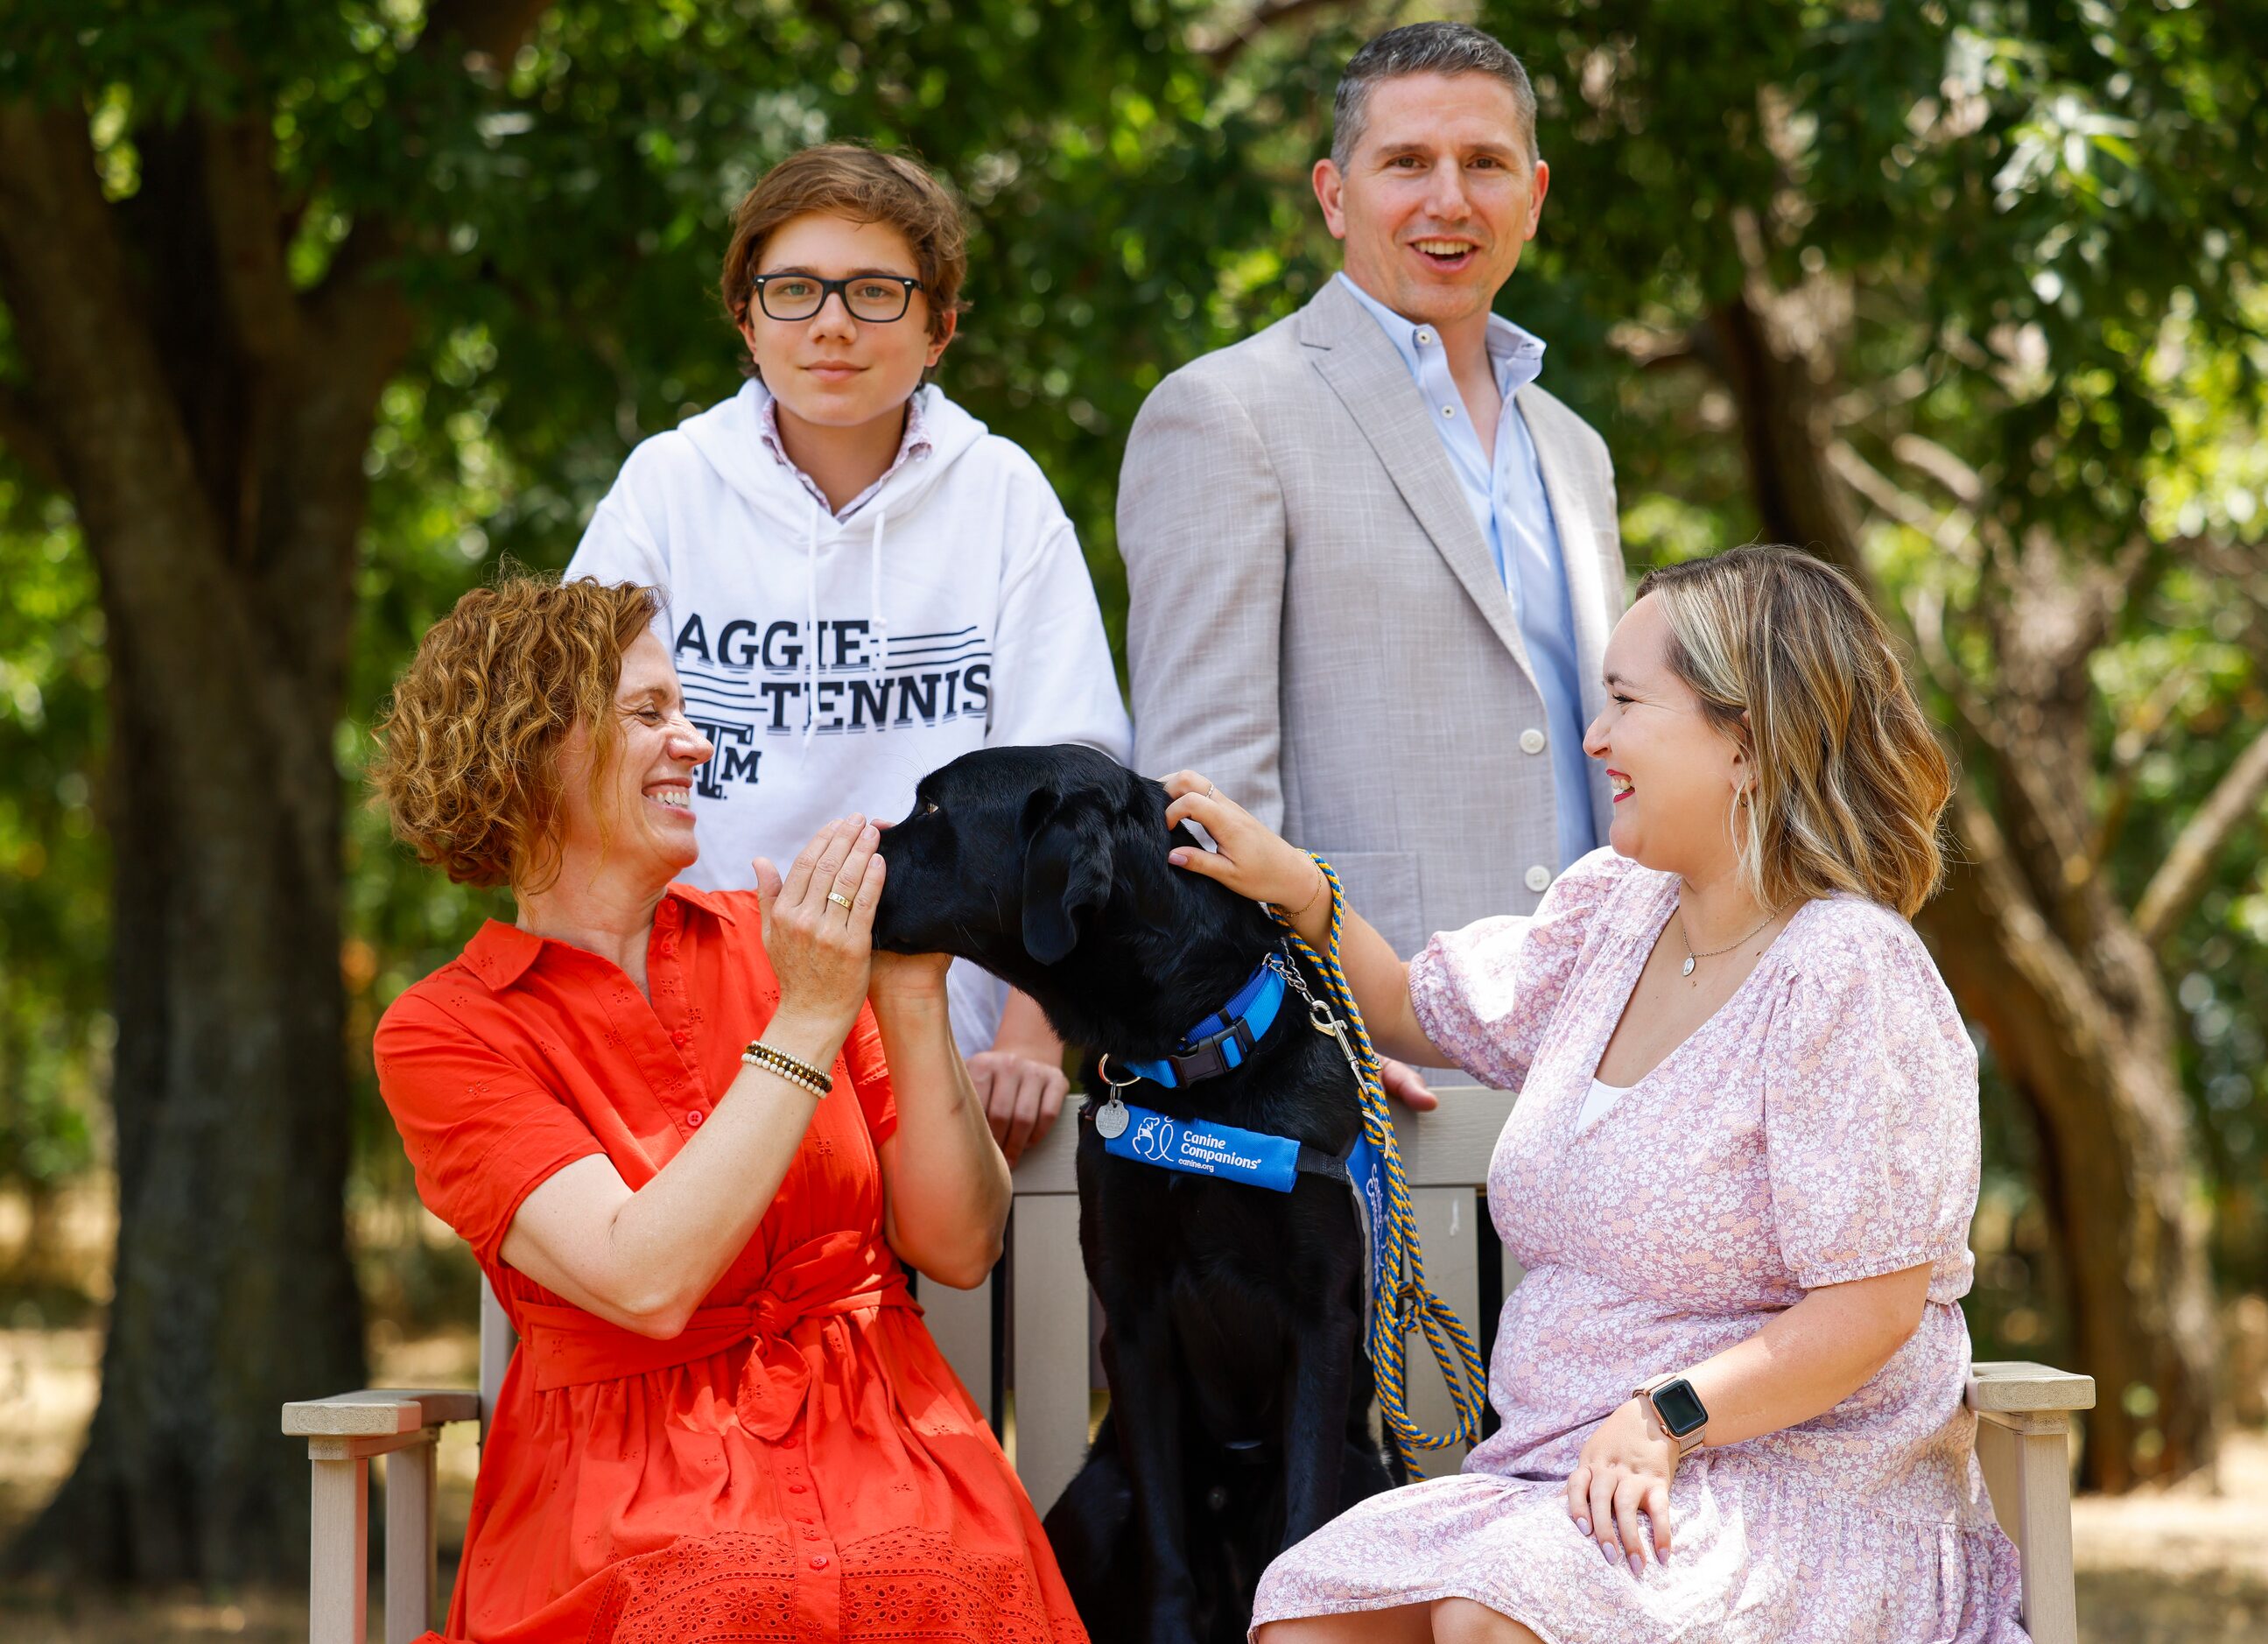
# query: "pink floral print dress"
[[1820, 1127]]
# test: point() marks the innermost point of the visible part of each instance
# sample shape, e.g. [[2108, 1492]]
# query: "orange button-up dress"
[[800, 1463]]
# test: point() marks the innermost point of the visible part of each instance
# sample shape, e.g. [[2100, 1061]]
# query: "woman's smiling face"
[[1675, 777], [638, 815]]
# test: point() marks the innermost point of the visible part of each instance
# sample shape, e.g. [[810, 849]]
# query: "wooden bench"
[[1022, 1344]]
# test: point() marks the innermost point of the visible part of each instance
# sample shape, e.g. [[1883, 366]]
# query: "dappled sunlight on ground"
[[2184, 1566]]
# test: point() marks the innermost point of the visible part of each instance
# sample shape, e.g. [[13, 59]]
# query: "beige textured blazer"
[[1317, 623]]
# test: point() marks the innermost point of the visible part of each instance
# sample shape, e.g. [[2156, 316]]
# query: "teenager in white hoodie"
[[859, 583]]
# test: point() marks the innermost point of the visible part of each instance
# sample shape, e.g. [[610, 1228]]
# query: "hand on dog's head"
[[1047, 866]]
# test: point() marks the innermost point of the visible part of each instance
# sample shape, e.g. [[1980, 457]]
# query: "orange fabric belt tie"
[[838, 1274]]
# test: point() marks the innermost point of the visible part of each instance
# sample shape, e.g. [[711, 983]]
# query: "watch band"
[[1690, 1439]]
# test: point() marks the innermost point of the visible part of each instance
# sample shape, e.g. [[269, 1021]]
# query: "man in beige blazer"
[[1372, 564]]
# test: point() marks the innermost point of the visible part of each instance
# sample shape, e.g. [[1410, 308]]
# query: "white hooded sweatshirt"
[[835, 663]]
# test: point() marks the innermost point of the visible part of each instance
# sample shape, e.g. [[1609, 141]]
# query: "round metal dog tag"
[[1110, 1120]]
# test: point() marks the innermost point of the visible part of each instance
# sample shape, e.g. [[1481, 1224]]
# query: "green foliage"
[[2036, 228], [55, 1034]]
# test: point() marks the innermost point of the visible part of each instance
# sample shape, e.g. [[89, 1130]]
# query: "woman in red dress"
[[681, 1143]]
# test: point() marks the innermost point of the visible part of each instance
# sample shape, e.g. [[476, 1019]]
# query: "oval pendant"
[[1688, 971], [1110, 1122]]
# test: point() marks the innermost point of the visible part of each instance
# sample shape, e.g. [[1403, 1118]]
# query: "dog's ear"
[[1067, 866]]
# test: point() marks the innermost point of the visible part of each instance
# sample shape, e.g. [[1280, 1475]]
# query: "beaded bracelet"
[[793, 1069]]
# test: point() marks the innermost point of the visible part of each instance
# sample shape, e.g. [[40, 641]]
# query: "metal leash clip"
[[1320, 1015]]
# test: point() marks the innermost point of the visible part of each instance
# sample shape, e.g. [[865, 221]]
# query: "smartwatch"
[[1677, 1409]]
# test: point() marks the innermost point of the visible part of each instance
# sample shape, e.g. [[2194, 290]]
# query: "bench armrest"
[[343, 1433], [2015, 1386], [379, 1412], [2023, 1449]]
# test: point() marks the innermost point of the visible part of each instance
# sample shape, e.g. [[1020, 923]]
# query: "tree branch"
[[494, 29], [2181, 879], [363, 320], [104, 408], [1961, 481], [247, 219], [1267, 16], [1951, 533]]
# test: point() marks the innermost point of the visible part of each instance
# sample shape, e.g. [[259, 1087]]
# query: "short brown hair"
[[867, 186], [468, 761], [1851, 784]]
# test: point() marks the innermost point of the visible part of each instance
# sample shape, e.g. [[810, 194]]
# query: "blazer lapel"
[[1367, 373]]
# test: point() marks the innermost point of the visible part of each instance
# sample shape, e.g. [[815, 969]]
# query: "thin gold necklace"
[[1691, 957]]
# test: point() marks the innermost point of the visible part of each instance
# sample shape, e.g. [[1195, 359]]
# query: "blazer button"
[[1531, 741], [1539, 878]]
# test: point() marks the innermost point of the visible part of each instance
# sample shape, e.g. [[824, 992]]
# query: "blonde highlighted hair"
[[1791, 662], [468, 761]]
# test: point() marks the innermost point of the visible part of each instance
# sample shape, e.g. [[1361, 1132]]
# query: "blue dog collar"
[[1223, 1040]]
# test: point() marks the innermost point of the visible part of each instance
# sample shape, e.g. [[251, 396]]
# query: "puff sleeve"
[[1484, 994], [1870, 1108], [480, 1133]]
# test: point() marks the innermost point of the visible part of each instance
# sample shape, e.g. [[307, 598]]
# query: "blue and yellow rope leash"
[[1403, 1303]]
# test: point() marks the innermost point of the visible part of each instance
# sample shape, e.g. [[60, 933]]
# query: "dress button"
[[1448, 410], [818, 1560], [1539, 878], [681, 1038], [1425, 336], [797, 1489], [1531, 741], [693, 1120]]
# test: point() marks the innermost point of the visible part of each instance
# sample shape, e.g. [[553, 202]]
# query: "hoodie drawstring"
[[811, 616], [875, 603]]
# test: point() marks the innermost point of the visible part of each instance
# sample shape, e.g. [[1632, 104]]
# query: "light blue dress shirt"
[[1505, 489]]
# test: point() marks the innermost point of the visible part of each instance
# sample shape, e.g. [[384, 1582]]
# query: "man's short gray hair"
[[1424, 48]]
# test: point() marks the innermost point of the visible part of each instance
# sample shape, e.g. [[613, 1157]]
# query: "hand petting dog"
[[1252, 860]]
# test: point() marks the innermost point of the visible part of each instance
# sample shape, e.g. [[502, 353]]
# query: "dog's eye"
[[929, 807]]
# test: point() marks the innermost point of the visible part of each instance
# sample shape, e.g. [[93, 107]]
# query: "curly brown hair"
[[468, 760], [867, 186]]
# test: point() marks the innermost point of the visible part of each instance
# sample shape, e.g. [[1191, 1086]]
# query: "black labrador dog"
[[1239, 1393]]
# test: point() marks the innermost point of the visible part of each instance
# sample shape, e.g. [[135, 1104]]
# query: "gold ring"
[[839, 899]]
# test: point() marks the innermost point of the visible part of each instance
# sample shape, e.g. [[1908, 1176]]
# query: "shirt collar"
[[914, 443], [1517, 354], [501, 954]]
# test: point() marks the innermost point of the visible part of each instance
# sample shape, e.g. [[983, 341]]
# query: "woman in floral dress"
[[1740, 1176]]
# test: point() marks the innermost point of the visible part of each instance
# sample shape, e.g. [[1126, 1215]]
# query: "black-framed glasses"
[[877, 299]]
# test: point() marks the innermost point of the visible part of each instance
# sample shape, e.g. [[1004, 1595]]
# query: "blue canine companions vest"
[[1223, 1041]]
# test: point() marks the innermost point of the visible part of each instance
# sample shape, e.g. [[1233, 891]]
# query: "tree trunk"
[[233, 1289], [225, 546], [210, 420], [2042, 961], [2115, 1127]]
